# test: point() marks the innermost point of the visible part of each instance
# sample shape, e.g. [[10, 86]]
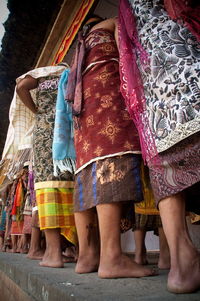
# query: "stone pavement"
[[22, 279]]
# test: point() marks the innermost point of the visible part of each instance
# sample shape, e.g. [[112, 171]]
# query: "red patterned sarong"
[[105, 128]]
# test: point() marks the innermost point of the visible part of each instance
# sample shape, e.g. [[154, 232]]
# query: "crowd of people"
[[115, 146]]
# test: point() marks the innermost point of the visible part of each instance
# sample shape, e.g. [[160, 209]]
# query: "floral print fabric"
[[43, 131], [179, 171], [110, 180], [171, 79]]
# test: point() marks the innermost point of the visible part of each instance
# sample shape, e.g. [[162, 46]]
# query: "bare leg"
[[19, 243], [164, 258], [88, 237], [140, 248], [114, 264], [52, 257], [25, 243], [1, 243], [70, 254], [35, 250], [14, 240], [184, 275]]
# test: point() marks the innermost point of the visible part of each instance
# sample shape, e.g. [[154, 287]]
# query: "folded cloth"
[[18, 145], [63, 140]]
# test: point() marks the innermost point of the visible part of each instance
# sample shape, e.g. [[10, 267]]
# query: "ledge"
[[24, 280]]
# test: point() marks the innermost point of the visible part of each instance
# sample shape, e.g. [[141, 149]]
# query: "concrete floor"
[[22, 279]]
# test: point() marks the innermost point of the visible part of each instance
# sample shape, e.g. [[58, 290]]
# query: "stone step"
[[22, 279]]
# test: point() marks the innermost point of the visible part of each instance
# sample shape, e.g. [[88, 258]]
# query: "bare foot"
[[122, 267], [68, 259], [35, 255], [3, 248], [24, 251], [52, 260], [164, 262], [70, 252], [70, 255], [51, 264], [141, 259], [185, 279], [13, 250], [87, 264]]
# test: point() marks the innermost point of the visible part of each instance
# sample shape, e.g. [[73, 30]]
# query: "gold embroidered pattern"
[[103, 77], [106, 101], [80, 138], [86, 146], [107, 48], [125, 115], [90, 121], [87, 93], [110, 130], [99, 111], [128, 145], [98, 151], [97, 95]]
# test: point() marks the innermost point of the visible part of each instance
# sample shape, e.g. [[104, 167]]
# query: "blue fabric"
[[94, 183], [80, 192], [63, 140], [3, 219]]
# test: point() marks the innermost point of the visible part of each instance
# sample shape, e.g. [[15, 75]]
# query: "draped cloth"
[[18, 145], [63, 137], [55, 208], [74, 90], [187, 12], [131, 82], [74, 87], [104, 115], [130, 50], [18, 199]]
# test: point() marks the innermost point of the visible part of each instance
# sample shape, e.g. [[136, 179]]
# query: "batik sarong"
[[53, 193], [180, 171], [106, 140], [104, 127], [170, 78], [110, 180]]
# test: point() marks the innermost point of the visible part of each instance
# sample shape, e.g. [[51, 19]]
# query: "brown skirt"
[[147, 222], [115, 179], [179, 171]]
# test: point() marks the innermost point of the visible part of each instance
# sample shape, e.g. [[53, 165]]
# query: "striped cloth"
[[55, 209]]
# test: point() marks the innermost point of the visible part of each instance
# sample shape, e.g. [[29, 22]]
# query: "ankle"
[[110, 256]]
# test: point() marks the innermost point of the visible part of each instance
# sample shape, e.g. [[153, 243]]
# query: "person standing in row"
[[159, 60], [107, 150], [53, 194]]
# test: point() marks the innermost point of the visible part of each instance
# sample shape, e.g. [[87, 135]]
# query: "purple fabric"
[[74, 85], [131, 82]]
